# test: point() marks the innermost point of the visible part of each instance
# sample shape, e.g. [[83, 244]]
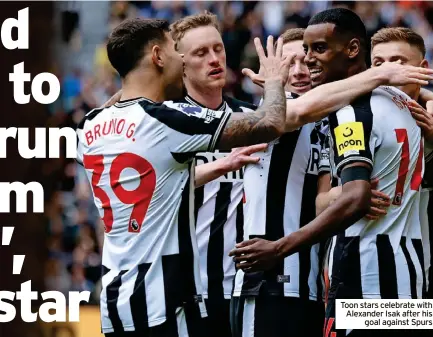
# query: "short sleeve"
[[324, 163], [322, 128], [193, 128], [351, 135]]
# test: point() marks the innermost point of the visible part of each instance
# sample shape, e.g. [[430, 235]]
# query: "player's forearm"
[[323, 200], [261, 126], [205, 173], [321, 101], [345, 211]]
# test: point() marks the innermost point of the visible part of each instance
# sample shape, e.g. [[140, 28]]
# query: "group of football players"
[[227, 219]]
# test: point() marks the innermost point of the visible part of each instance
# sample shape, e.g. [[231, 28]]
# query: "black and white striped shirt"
[[219, 217], [280, 195], [426, 216], [380, 258], [139, 159]]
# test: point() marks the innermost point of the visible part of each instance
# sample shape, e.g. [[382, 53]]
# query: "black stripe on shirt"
[[112, 298], [387, 268], [171, 269], [417, 245], [346, 267], [279, 167], [411, 267], [198, 201], [138, 300], [308, 212], [185, 245], [240, 222], [215, 255]]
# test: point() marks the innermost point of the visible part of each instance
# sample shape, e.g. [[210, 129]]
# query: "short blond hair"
[[293, 34], [181, 26], [395, 34]]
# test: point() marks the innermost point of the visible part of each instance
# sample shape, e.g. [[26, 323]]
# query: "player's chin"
[[217, 82]]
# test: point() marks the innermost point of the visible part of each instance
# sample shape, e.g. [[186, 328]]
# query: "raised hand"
[[271, 66]]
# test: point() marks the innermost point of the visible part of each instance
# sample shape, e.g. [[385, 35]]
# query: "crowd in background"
[[76, 231]]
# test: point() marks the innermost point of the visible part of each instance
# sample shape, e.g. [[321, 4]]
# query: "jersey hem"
[[285, 294]]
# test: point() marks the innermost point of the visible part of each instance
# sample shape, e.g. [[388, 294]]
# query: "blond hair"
[[395, 34], [293, 34], [181, 26]]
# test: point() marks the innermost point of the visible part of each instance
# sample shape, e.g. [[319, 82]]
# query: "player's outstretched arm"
[[234, 161], [350, 206], [268, 121], [319, 102]]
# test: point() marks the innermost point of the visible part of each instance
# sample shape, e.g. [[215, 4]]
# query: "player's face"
[[299, 77], [325, 55], [205, 58], [173, 70], [399, 51]]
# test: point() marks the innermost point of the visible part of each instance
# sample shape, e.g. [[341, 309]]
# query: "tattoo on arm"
[[261, 126]]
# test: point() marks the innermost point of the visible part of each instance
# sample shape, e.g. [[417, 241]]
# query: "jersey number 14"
[[404, 167]]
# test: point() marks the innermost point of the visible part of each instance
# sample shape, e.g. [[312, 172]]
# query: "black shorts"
[[276, 316], [218, 320], [186, 322]]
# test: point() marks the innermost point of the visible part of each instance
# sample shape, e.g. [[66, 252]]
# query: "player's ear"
[[353, 48], [424, 64], [157, 54]]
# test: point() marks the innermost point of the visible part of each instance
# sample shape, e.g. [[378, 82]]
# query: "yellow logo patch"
[[349, 137]]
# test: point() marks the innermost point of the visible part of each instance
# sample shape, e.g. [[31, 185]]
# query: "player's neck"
[[356, 69], [137, 86], [212, 99]]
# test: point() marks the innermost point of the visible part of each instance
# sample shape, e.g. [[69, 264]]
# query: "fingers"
[[371, 217], [246, 243], [245, 160], [377, 211], [380, 195], [259, 49], [248, 72], [279, 50], [254, 148], [270, 46]]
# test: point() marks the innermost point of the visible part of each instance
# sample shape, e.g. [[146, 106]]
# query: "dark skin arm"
[[352, 205]]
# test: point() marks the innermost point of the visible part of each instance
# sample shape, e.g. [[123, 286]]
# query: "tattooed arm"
[[260, 126], [267, 122]]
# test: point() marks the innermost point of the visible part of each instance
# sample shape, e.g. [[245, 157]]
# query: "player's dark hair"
[[127, 43], [347, 23]]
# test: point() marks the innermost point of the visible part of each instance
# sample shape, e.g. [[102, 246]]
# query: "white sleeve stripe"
[[220, 129], [346, 115], [356, 159]]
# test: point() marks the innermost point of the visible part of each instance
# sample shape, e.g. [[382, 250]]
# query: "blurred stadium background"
[[75, 232]]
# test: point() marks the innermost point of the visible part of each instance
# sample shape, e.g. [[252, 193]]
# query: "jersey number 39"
[[139, 198]]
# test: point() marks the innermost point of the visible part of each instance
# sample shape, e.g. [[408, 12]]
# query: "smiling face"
[[299, 77], [325, 54], [399, 51], [205, 58]]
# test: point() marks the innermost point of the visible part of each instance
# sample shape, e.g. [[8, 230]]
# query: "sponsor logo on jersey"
[[349, 138]]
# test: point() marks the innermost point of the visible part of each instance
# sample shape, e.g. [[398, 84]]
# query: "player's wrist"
[[275, 79], [282, 247], [379, 76]]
